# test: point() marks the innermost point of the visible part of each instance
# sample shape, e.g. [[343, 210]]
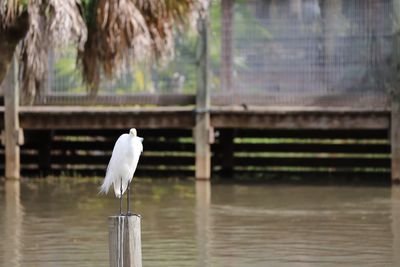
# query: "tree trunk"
[[9, 38]]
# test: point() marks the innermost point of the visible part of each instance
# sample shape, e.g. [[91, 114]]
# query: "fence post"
[[125, 245], [395, 91], [12, 135], [203, 131]]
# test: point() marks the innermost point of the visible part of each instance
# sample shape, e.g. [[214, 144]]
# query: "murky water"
[[64, 223]]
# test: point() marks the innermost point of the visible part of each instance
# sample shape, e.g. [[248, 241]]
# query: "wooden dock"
[[72, 140], [86, 117]]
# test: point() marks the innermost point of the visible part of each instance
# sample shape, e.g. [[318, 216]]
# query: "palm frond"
[[126, 31], [52, 23]]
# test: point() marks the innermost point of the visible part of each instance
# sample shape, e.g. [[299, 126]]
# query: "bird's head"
[[133, 132]]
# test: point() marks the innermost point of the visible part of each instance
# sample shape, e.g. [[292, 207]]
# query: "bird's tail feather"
[[106, 183]]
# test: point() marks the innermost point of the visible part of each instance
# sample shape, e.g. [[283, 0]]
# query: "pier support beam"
[[125, 241], [395, 91], [202, 131], [227, 152], [12, 136], [395, 141]]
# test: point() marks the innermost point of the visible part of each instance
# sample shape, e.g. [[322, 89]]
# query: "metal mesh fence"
[[296, 51], [65, 83], [305, 52]]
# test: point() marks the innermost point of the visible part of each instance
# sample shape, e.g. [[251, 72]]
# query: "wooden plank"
[[313, 162], [104, 159], [171, 99], [299, 120], [313, 148], [11, 134], [155, 118], [301, 99], [202, 127], [125, 246], [108, 146], [71, 171], [314, 133], [104, 118], [315, 177], [115, 133]]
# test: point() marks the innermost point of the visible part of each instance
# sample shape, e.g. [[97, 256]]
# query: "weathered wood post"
[[12, 136], [395, 91], [227, 151], [396, 222], [203, 132], [125, 241], [12, 224], [203, 222]]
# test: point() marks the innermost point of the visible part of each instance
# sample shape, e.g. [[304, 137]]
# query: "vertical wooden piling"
[[395, 140], [202, 131], [226, 152], [125, 245], [13, 216], [226, 44], [12, 134], [396, 222], [395, 91], [203, 222]]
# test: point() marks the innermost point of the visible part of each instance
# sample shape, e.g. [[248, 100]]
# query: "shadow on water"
[[63, 222]]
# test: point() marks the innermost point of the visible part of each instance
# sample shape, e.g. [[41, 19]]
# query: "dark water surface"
[[63, 222]]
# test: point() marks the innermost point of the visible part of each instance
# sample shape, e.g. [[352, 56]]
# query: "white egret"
[[122, 166]]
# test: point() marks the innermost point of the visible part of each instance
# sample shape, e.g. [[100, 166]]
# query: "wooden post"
[[12, 136], [395, 140], [395, 222], [203, 222], [395, 91], [45, 152], [124, 241], [226, 153], [226, 44], [202, 131], [13, 215]]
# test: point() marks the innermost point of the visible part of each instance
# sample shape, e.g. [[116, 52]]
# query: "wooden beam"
[[12, 135], [296, 119], [395, 115], [125, 241], [226, 150], [173, 99], [202, 128], [395, 140], [395, 222], [105, 118]]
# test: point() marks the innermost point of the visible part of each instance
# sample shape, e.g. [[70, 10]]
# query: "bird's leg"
[[120, 200], [129, 199]]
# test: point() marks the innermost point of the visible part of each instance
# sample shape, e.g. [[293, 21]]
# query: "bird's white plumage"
[[123, 163]]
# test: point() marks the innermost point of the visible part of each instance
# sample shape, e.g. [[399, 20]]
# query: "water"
[[64, 223]]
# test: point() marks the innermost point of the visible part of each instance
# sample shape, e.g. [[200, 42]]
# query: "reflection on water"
[[64, 223]]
